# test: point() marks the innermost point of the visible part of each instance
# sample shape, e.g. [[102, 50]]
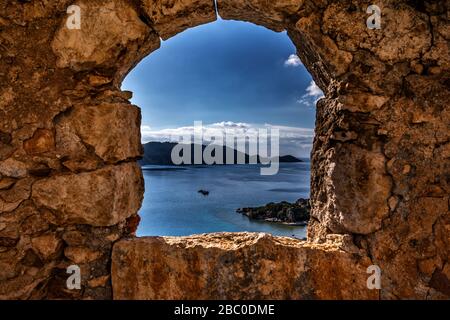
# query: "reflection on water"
[[173, 207]]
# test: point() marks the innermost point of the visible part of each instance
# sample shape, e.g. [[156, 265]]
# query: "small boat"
[[203, 192]]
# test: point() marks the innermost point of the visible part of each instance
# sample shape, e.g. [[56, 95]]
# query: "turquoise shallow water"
[[173, 207]]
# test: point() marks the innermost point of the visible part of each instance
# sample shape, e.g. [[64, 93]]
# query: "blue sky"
[[226, 73]]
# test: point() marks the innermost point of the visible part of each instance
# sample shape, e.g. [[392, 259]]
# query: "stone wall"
[[70, 187], [238, 266]]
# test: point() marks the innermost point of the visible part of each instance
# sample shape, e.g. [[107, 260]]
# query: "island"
[[296, 213], [159, 153], [289, 158]]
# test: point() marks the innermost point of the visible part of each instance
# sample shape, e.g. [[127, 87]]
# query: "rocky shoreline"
[[296, 213]]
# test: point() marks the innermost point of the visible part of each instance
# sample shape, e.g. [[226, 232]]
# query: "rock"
[[6, 183], [362, 102], [13, 168], [8, 242], [42, 141], [113, 95], [392, 202], [344, 136], [82, 165], [46, 245], [81, 254], [270, 14], [107, 29], [100, 198], [315, 46], [171, 17], [11, 198], [131, 227], [34, 224], [91, 125], [7, 271], [75, 238], [98, 81], [6, 149], [283, 212], [237, 266], [98, 282], [404, 33], [364, 196]]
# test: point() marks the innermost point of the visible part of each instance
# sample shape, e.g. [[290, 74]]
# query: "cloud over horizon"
[[293, 140]]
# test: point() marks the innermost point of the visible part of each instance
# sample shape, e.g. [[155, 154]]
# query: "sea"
[[173, 206]]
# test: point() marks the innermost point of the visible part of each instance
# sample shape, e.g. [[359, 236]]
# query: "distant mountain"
[[159, 153], [289, 158]]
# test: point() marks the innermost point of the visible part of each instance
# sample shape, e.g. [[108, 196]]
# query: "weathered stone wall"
[[238, 266], [380, 159], [69, 139]]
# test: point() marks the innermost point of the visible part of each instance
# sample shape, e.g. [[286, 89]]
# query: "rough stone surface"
[[101, 42], [274, 15], [42, 141], [87, 125], [358, 205], [236, 266], [69, 140], [108, 28], [98, 198], [170, 17]]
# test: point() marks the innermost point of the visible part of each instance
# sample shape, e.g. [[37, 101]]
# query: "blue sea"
[[173, 207]]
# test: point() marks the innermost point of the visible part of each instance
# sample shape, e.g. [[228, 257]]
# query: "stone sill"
[[236, 266]]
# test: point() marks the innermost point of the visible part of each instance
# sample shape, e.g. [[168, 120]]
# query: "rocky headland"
[[296, 213]]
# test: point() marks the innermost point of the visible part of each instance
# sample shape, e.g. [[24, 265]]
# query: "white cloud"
[[293, 61], [145, 129], [293, 140], [230, 124], [313, 94], [313, 90]]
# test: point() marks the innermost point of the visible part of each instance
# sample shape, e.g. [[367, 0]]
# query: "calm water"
[[173, 207]]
